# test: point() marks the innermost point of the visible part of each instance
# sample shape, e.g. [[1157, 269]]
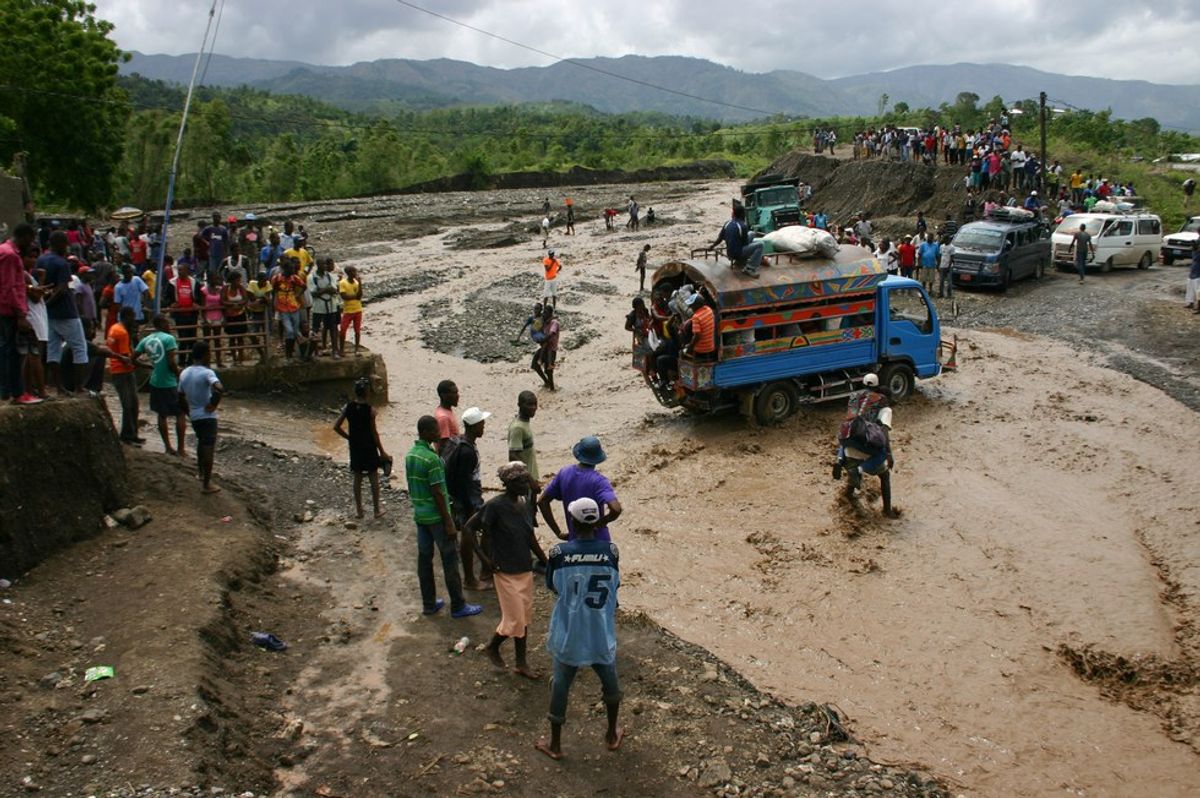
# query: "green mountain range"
[[738, 96]]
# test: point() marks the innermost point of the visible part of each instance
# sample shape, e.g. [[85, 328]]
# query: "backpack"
[[458, 477], [866, 436]]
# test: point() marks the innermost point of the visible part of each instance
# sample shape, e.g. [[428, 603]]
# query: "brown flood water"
[[1026, 526]]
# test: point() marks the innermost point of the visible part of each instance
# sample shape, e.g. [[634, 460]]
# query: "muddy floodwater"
[[1028, 627]]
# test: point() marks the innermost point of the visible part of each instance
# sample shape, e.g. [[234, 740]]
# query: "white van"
[[1120, 239]]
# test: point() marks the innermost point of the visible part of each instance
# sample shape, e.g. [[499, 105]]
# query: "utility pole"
[[1045, 166]]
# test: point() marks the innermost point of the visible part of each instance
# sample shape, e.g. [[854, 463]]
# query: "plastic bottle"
[[461, 645]]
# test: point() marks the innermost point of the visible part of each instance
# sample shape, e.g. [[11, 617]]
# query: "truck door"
[[909, 329]]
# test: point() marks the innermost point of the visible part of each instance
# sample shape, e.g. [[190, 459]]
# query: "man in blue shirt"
[[821, 221], [200, 392], [217, 236], [584, 574], [268, 257], [928, 256], [1032, 203], [65, 328], [742, 251], [133, 293]]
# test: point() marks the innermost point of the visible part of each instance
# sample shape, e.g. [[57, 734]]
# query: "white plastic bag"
[[807, 242]]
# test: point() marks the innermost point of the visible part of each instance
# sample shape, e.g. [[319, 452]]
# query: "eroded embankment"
[[63, 468]]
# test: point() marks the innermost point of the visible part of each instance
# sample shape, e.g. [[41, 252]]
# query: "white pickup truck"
[[1178, 245]]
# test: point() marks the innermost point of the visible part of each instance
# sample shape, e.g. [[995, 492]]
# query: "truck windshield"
[[980, 239], [1191, 225], [1070, 225], [909, 305], [777, 196]]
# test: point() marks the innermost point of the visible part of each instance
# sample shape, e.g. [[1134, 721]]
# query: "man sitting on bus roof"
[[743, 252]]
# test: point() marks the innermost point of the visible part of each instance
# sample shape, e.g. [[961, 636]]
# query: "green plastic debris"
[[98, 672]]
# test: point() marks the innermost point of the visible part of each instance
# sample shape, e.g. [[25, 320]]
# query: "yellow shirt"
[[148, 277], [258, 290], [1076, 180], [348, 289], [303, 257]]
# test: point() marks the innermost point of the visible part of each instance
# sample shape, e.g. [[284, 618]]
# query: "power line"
[[212, 47], [583, 65]]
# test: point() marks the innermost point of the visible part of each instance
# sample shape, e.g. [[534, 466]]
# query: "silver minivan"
[[1120, 239]]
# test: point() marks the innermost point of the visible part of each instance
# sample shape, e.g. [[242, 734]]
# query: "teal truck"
[[772, 202]]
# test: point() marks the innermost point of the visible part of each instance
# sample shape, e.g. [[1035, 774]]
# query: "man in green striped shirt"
[[435, 525]]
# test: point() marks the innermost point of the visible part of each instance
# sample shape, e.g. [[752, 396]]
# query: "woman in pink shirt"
[[214, 313]]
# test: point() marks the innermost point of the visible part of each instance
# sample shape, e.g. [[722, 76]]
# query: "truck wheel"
[[776, 402], [1106, 267], [1168, 258], [1041, 270], [899, 379], [1006, 283], [1144, 263]]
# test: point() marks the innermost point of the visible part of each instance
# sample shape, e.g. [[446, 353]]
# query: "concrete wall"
[[12, 209], [324, 377]]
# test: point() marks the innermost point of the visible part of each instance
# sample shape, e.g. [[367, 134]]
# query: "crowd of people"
[[492, 545], [223, 289]]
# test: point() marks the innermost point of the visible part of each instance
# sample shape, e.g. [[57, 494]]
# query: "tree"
[[883, 101], [965, 101], [900, 107], [58, 81]]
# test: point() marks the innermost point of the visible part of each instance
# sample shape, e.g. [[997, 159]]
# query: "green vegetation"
[[96, 140], [59, 99], [245, 145]]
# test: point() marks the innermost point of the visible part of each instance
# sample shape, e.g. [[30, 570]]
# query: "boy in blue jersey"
[[584, 573]]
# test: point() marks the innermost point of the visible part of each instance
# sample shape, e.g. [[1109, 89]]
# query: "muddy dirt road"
[[1029, 626]]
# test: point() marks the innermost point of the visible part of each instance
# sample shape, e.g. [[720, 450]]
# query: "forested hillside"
[[247, 145]]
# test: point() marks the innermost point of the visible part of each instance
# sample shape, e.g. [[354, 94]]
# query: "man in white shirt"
[[1017, 159], [326, 305]]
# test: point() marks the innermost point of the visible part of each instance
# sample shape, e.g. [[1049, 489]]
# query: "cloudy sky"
[[1153, 41]]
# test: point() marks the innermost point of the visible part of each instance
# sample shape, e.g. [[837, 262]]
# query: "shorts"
[[291, 321], [928, 275], [235, 325], [165, 401], [549, 357], [549, 289], [354, 319], [206, 431], [68, 332], [28, 344], [328, 321]]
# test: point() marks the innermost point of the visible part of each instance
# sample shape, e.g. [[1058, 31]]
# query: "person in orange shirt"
[[703, 328], [289, 291], [552, 265], [123, 376]]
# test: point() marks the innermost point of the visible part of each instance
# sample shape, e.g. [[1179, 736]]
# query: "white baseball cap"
[[585, 510], [473, 415], [871, 381]]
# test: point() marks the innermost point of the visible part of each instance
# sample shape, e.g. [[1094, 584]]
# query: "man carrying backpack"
[[864, 442], [461, 458]]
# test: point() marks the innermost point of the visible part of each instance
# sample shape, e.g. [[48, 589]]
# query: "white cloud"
[[1105, 38]]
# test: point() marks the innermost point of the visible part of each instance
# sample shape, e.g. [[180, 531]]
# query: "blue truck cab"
[[806, 330]]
